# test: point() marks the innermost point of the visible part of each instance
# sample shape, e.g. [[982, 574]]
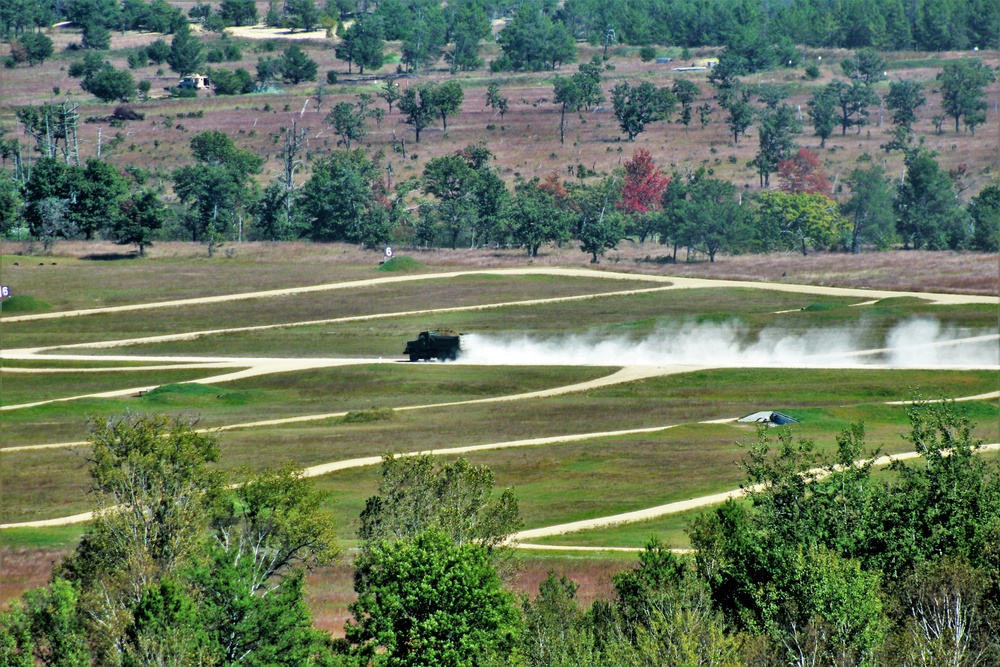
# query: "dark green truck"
[[443, 344]]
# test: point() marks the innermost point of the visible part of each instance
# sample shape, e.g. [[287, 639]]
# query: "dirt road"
[[673, 281], [243, 367]]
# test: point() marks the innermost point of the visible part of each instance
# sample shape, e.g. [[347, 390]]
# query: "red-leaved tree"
[[552, 186], [644, 184], [803, 173]]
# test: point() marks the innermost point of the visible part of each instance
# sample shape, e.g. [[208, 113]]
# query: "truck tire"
[[414, 357]]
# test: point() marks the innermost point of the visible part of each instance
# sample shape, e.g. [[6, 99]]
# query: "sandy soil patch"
[[263, 32]]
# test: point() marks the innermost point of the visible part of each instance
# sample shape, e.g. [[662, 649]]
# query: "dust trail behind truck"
[[442, 344]]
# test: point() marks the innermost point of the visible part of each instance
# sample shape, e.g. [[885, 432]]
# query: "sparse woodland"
[[627, 134]]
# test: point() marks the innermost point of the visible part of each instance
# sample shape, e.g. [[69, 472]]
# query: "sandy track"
[[675, 282], [627, 374], [114, 369], [257, 366], [519, 538], [193, 335], [347, 464], [683, 505]]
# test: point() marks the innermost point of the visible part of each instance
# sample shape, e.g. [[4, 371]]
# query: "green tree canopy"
[[425, 38], [140, 216], [296, 66], [363, 43], [341, 201], [533, 218], [927, 213], [176, 567], [903, 100], [417, 104], [823, 114], [798, 220], [599, 224], [533, 41], [853, 100], [109, 84], [870, 209], [962, 91], [639, 105], [985, 213], [217, 189], [469, 25], [427, 600], [706, 215], [349, 123], [186, 52], [446, 99], [456, 499], [776, 135]]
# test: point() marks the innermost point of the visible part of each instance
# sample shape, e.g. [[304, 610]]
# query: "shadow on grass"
[[110, 256]]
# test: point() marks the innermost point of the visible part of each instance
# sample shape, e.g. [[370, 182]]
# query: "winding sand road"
[[255, 366]]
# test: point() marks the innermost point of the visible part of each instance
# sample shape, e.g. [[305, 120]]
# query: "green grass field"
[[554, 483]]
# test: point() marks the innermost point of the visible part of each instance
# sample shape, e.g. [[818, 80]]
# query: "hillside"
[[525, 141]]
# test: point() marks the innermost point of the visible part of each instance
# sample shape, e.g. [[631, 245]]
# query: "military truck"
[[443, 344]]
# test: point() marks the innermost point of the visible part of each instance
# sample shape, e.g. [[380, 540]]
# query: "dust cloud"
[[914, 343]]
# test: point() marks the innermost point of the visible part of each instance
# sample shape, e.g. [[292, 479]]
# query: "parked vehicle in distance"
[[442, 344]]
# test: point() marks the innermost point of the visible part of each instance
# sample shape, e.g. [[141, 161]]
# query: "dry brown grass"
[[23, 569], [268, 265], [526, 141], [330, 589]]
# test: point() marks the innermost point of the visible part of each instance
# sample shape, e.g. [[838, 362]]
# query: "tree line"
[[822, 563], [540, 35], [460, 200]]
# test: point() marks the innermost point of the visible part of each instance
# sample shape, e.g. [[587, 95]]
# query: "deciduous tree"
[[637, 106], [853, 100], [962, 91], [643, 185], [798, 219], [534, 218], [985, 213], [776, 135], [348, 123], [903, 100], [417, 106], [803, 172], [109, 84], [866, 66], [341, 201], [823, 113], [495, 100], [599, 225], [428, 600], [686, 92], [455, 499], [446, 98], [140, 217]]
